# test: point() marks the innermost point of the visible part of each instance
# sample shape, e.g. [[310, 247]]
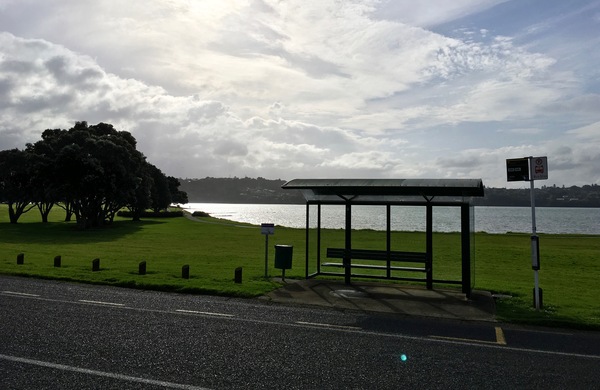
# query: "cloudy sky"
[[314, 88]]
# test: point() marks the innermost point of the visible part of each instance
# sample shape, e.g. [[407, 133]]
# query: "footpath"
[[387, 298]]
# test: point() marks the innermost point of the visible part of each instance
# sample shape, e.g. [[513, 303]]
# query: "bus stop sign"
[[517, 169], [539, 170], [527, 169]]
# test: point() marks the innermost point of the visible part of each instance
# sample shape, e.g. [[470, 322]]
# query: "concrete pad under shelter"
[[387, 298]]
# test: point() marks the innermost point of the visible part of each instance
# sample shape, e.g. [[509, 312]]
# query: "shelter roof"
[[385, 189]]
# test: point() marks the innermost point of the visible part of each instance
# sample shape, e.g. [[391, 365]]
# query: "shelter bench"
[[370, 254]]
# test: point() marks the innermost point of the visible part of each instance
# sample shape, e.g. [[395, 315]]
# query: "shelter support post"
[[307, 245], [429, 244], [347, 256], [388, 238], [465, 234], [318, 238]]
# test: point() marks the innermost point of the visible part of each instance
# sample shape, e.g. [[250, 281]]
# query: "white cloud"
[[587, 133], [298, 88], [431, 12]]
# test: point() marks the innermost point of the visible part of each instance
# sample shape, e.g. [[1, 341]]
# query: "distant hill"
[[546, 196], [260, 190], [238, 190]]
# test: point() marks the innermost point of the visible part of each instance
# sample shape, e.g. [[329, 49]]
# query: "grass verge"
[[214, 249]]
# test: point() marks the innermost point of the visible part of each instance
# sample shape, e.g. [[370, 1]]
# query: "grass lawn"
[[570, 264]]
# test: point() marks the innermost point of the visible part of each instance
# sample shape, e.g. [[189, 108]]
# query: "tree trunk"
[[15, 210], [11, 214], [68, 207], [45, 208]]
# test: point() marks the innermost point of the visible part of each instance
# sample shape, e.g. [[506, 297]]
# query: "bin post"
[[238, 275], [142, 268]]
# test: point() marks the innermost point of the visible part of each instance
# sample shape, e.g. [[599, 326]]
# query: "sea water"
[[556, 220]]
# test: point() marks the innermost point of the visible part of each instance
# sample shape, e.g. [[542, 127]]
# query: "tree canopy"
[[93, 171]]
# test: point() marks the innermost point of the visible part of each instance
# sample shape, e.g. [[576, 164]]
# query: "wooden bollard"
[[185, 271], [238, 275], [96, 265], [21, 258], [142, 268], [57, 261]]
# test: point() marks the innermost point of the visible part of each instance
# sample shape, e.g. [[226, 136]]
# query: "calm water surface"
[[412, 218]]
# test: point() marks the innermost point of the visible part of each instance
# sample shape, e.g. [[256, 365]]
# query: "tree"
[[90, 171], [98, 170], [142, 195], [16, 182], [177, 196], [46, 151], [160, 194], [118, 172], [45, 192]]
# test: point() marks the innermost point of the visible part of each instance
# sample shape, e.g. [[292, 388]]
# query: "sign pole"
[[266, 255], [530, 169], [534, 239], [267, 229]]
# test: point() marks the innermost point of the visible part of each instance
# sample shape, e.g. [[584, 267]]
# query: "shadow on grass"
[[69, 233]]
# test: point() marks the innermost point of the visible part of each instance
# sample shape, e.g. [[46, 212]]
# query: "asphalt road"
[[56, 335]]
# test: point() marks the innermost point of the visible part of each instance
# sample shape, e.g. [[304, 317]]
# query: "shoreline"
[[488, 220]]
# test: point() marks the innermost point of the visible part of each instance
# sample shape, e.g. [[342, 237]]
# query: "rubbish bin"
[[283, 256]]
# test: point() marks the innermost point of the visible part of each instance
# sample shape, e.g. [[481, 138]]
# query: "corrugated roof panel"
[[374, 188]]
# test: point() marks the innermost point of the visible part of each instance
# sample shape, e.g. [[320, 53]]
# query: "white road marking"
[[208, 313], [321, 325], [102, 303], [20, 294], [112, 375]]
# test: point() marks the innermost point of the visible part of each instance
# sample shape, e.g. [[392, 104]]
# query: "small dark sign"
[[267, 228], [517, 169]]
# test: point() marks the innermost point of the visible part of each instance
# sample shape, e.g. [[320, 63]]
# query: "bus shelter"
[[428, 193]]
